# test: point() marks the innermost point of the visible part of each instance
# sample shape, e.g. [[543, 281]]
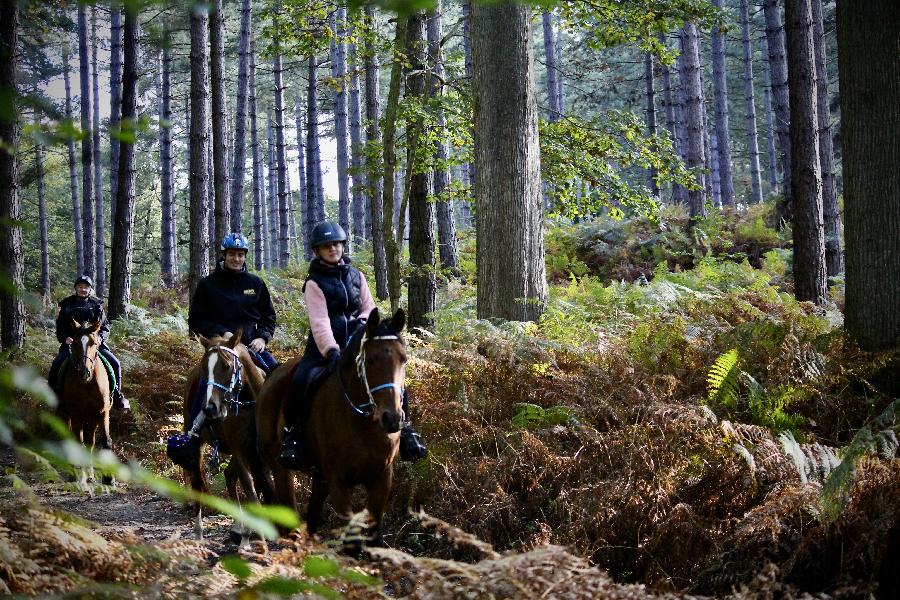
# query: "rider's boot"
[[292, 456], [120, 401], [412, 447]]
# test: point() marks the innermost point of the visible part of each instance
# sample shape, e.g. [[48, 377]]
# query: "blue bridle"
[[367, 409], [233, 390]]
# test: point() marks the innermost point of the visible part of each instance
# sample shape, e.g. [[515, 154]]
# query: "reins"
[[233, 390], [367, 409]]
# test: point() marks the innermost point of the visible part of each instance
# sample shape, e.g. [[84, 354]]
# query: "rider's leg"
[[412, 447], [119, 400], [292, 455], [53, 375]]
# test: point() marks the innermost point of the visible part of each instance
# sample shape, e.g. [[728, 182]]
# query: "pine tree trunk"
[[240, 120], [168, 258], [711, 177], [272, 196], [834, 260], [752, 140], [393, 242], [100, 248], [557, 51], [359, 201], [693, 113], [115, 103], [42, 212], [301, 169], [512, 281], [770, 119], [374, 176], [448, 254], [73, 173], [314, 185], [12, 310], [681, 192], [550, 62], [260, 256], [123, 228], [868, 35], [723, 134], [284, 248], [779, 79], [219, 146], [339, 74], [199, 179], [669, 106], [87, 150], [651, 117], [714, 174], [469, 168], [806, 176], [422, 280]]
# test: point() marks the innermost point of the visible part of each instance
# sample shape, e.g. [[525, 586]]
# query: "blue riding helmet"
[[325, 232], [234, 241]]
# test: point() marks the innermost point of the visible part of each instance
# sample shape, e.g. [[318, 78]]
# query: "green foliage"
[[722, 380], [532, 416]]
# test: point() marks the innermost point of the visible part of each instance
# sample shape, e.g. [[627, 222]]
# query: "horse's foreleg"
[[378, 493], [316, 504], [106, 444]]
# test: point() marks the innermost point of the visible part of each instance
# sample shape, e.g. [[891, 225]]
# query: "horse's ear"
[[373, 322], [398, 320], [203, 341], [93, 327], [75, 323], [236, 338]]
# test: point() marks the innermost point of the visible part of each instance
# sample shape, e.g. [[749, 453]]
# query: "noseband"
[[233, 389], [367, 409], [84, 362]]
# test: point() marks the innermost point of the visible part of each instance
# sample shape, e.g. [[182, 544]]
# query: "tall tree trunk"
[[199, 179], [806, 176], [259, 249], [669, 105], [779, 78], [446, 225], [693, 93], [752, 140], [770, 119], [73, 172], [681, 192], [272, 206], [315, 208], [219, 146], [373, 168], [115, 103], [42, 211], [723, 134], [284, 248], [868, 35], [87, 151], [651, 117], [123, 232], [557, 51], [100, 248], [301, 169], [834, 260], [339, 73], [168, 258], [553, 111], [211, 196], [714, 173], [469, 168], [712, 166], [393, 242], [512, 282], [12, 310], [240, 119], [358, 195], [422, 280]]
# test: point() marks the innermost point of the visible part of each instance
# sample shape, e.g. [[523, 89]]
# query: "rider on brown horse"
[[339, 302], [83, 307]]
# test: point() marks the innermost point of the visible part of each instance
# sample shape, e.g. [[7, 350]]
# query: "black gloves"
[[334, 360]]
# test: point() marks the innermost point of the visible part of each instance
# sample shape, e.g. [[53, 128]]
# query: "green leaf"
[[237, 566], [319, 566], [280, 515]]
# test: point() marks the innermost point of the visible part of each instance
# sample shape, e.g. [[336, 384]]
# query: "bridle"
[[234, 387], [88, 366], [367, 409]]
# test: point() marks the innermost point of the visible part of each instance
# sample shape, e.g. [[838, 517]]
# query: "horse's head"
[[381, 366], [85, 346], [221, 367]]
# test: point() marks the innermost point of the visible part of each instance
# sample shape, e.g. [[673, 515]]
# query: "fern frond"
[[722, 379]]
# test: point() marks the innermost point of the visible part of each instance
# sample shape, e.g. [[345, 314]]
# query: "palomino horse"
[[228, 417], [351, 424], [85, 401]]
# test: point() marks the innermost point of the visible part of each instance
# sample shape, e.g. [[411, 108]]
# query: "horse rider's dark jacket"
[[86, 310], [341, 286], [227, 300]]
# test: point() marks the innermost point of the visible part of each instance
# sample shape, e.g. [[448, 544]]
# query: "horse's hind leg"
[[316, 503]]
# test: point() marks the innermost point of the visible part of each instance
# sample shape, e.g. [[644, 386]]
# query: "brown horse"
[[229, 418], [85, 401], [351, 425]]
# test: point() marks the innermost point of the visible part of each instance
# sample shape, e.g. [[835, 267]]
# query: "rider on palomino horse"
[[339, 302], [84, 308]]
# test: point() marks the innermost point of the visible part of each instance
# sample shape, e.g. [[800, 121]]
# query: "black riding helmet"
[[325, 232], [84, 279]]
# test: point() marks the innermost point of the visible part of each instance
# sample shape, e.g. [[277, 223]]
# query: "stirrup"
[[291, 454]]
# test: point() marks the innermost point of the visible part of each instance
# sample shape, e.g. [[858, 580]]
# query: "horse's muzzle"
[[212, 410], [390, 421]]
